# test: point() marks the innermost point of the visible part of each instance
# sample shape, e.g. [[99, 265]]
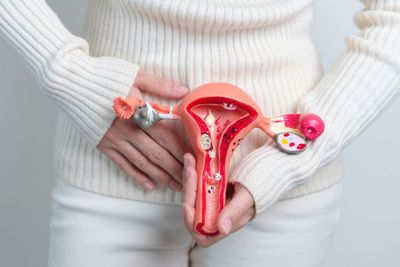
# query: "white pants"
[[90, 230]]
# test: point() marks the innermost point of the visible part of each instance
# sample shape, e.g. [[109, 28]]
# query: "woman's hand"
[[238, 211], [154, 153]]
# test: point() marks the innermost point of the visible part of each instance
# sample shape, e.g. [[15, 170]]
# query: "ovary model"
[[216, 117]]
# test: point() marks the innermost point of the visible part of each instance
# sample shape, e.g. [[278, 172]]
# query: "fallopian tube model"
[[216, 117]]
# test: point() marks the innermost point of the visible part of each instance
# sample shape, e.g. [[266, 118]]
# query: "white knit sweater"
[[262, 46]]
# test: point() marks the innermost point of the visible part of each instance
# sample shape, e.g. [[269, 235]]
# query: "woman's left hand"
[[238, 211]]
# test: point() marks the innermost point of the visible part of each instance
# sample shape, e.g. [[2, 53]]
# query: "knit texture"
[[262, 46]]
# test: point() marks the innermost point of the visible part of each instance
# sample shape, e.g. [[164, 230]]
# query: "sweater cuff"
[[85, 87], [268, 172]]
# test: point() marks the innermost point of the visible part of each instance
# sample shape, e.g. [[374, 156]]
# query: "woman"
[[118, 197]]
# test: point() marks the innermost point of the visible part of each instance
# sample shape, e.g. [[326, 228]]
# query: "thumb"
[[153, 84], [239, 206]]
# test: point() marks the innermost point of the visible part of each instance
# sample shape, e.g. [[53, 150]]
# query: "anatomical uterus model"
[[216, 118]]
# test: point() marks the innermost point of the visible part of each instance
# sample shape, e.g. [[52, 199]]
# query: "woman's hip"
[[91, 229]]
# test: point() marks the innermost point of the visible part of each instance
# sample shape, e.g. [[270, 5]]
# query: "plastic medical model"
[[216, 117]]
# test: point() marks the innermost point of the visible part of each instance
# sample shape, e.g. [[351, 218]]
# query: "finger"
[[243, 220], [189, 180], [121, 162], [156, 85], [157, 154], [146, 166], [188, 216], [135, 93], [239, 205], [165, 137]]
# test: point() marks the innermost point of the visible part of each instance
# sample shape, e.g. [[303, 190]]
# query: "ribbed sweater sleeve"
[[82, 86], [364, 80]]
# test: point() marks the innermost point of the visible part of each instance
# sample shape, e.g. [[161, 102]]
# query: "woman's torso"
[[264, 47]]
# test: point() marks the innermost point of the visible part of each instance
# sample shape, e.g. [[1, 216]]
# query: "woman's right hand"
[[147, 154]]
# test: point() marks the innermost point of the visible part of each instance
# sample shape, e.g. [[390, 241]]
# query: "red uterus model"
[[216, 117]]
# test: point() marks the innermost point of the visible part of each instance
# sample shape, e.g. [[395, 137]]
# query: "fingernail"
[[179, 90], [227, 224], [175, 186], [148, 186]]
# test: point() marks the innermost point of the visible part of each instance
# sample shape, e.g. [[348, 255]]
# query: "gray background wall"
[[368, 234]]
